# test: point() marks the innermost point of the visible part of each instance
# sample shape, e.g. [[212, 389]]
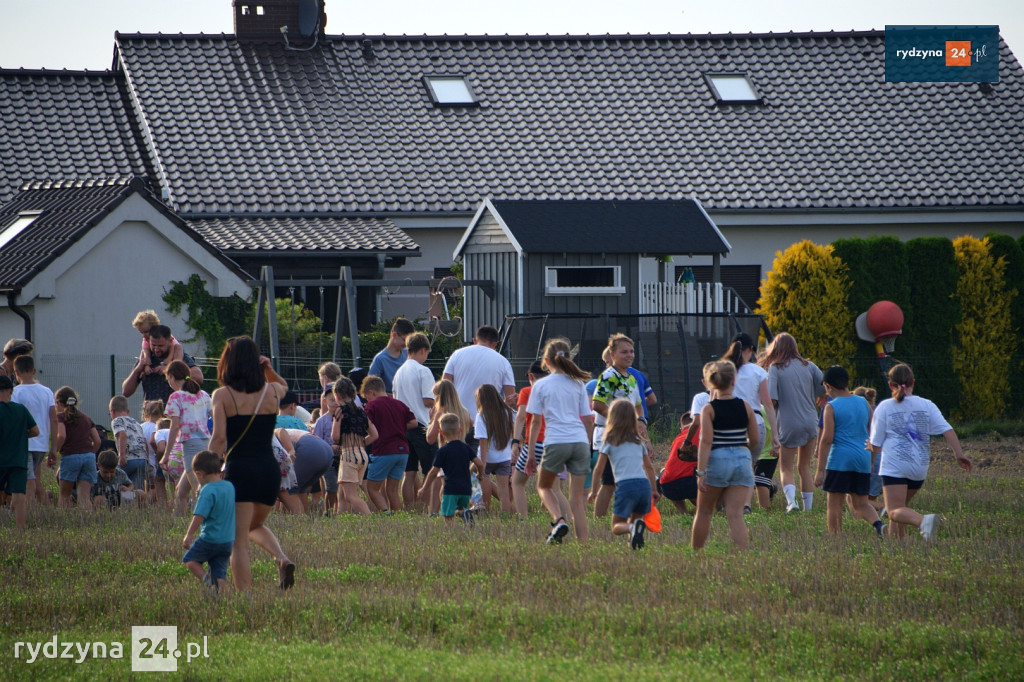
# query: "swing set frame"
[[346, 304]]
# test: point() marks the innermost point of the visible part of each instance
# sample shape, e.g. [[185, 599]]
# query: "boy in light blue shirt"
[[214, 519]]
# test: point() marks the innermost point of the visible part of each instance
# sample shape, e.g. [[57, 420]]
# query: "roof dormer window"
[[449, 90], [732, 87], [14, 229]]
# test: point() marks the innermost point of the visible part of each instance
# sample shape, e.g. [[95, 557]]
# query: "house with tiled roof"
[[306, 150]]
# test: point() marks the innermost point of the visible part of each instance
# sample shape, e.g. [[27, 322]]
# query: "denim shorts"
[[216, 554], [730, 466], [192, 447], [136, 470], [387, 466], [79, 467], [632, 496]]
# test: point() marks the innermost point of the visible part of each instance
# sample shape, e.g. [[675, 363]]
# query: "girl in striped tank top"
[[727, 435]]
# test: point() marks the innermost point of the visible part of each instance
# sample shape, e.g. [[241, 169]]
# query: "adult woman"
[[244, 414], [794, 384], [752, 388]]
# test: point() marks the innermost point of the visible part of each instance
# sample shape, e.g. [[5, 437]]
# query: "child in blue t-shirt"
[[454, 458], [214, 518], [847, 469]]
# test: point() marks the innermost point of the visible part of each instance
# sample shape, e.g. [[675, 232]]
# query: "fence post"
[[113, 376]]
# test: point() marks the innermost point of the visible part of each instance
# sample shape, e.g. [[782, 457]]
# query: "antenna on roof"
[[309, 17]]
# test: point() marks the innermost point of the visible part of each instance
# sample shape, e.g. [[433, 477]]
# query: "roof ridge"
[[80, 183]]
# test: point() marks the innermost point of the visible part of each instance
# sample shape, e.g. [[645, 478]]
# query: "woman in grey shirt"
[[794, 384]]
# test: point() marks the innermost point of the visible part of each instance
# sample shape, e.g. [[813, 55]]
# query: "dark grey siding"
[[502, 268], [536, 301]]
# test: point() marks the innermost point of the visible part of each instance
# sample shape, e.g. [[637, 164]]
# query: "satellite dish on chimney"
[[309, 17]]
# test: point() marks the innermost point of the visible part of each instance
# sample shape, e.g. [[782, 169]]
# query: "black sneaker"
[[747, 510], [636, 539], [467, 517], [558, 531]]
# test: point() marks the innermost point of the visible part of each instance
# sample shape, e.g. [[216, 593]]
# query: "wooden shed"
[[575, 256]]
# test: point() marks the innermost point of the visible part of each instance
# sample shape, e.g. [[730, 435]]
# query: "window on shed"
[[583, 280], [15, 228], [732, 87], [449, 90]]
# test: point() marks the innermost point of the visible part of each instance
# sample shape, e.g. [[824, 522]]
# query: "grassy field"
[[402, 597]]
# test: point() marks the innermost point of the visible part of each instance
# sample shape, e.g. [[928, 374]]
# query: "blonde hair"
[[615, 339], [119, 404], [557, 356], [721, 374], [373, 383], [450, 424], [152, 409], [145, 320], [621, 426], [447, 402], [867, 393], [329, 370]]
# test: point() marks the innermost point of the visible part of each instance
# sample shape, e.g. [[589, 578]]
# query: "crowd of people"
[[394, 438]]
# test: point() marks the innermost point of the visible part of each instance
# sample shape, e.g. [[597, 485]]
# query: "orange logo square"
[[958, 53]]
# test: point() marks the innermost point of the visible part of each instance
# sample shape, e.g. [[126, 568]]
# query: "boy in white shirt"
[[414, 386], [39, 401]]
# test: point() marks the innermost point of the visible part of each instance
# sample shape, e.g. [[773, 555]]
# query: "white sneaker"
[[559, 530], [929, 526], [792, 507]]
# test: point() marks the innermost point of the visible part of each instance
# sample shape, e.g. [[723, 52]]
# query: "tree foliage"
[[805, 294], [980, 349], [214, 319], [1005, 247]]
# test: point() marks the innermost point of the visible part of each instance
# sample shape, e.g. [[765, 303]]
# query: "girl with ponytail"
[[77, 442], [188, 408]]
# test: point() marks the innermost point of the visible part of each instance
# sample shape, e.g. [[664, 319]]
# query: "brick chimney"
[[261, 20]]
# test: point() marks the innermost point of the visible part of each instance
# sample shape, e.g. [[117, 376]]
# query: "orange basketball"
[[885, 319]]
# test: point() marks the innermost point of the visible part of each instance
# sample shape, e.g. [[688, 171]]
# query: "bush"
[[979, 352], [1005, 247], [805, 294]]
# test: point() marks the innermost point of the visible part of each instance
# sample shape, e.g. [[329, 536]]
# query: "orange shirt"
[[524, 397]]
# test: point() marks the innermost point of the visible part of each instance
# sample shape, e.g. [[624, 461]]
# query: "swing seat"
[[448, 327]]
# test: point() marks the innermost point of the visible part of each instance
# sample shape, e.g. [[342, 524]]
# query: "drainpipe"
[[20, 313]]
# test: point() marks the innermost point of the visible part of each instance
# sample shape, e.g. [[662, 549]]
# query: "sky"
[[79, 34]]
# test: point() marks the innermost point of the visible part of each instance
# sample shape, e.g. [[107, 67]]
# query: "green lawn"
[[402, 597]]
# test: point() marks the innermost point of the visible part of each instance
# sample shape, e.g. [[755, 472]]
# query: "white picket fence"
[[665, 297]]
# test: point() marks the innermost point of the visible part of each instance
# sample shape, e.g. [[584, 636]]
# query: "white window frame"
[[753, 99], [25, 218], [429, 80], [551, 287]]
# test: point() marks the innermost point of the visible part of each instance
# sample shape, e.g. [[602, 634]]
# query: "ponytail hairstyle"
[[740, 343], [344, 390], [67, 399], [867, 393], [538, 370], [720, 374], [152, 410], [901, 377], [498, 416], [180, 371], [781, 351], [621, 426], [558, 357]]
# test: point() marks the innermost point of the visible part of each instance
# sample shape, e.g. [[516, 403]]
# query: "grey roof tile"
[[323, 235]]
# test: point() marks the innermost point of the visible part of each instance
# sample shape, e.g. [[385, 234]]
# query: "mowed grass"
[[403, 597]]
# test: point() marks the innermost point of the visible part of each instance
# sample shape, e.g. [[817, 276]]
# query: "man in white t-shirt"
[[414, 385], [471, 367], [39, 401]]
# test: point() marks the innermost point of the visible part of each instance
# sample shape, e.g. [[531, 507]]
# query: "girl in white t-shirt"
[[153, 412], [900, 430], [493, 429], [562, 399]]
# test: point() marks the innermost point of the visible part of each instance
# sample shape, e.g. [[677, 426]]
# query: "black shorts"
[[608, 476], [764, 472], [846, 482], [896, 480], [684, 488], [421, 452]]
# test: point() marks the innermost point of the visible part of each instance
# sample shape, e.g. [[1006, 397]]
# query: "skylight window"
[[16, 228], [732, 87], [449, 90]]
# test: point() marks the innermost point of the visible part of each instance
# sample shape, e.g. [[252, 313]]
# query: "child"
[[454, 458], [875, 491], [764, 470], [284, 453], [900, 430], [113, 484], [446, 401], [77, 443], [847, 469], [393, 419], [727, 433], [39, 401], [169, 453], [634, 475], [614, 382], [214, 518], [328, 373], [561, 399], [152, 412], [286, 409], [526, 462], [386, 363], [143, 322], [322, 430], [131, 441], [351, 432], [16, 428], [493, 429], [677, 481], [413, 385], [188, 408]]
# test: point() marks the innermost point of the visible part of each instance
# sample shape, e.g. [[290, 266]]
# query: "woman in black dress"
[[244, 414]]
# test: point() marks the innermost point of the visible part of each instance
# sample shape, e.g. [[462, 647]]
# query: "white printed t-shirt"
[[903, 431]]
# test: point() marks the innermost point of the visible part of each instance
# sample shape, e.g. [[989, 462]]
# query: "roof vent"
[[269, 20]]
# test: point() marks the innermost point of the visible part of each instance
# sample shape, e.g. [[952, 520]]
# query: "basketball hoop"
[[881, 324], [888, 344]]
